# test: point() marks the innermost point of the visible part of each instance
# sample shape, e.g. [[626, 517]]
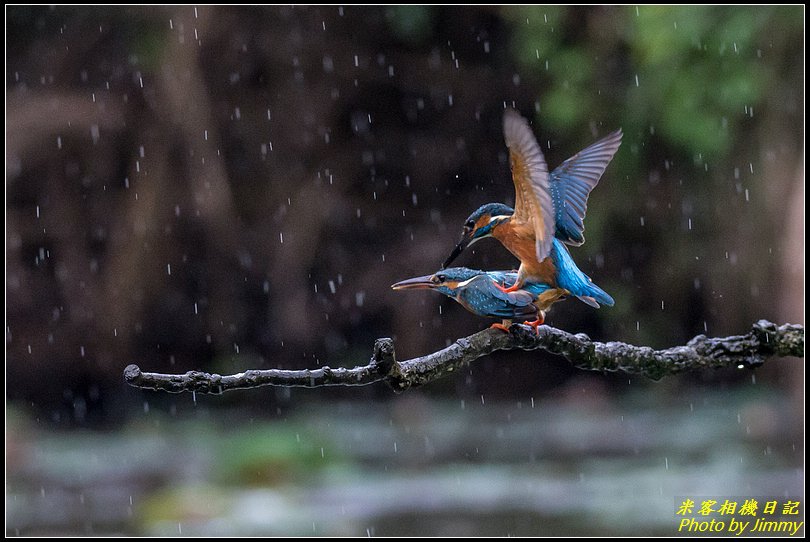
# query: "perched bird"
[[547, 206], [479, 291]]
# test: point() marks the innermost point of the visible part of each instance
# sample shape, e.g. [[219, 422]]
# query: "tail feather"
[[588, 300], [595, 296], [575, 281]]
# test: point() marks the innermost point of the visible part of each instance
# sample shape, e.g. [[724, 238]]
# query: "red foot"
[[500, 326], [536, 324], [513, 288]]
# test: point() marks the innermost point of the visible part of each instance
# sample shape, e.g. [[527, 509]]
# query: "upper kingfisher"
[[547, 206], [479, 292]]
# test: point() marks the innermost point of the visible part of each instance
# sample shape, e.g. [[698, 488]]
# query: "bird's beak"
[[466, 239], [418, 283]]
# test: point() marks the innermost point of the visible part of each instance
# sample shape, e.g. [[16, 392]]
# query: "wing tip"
[[614, 136], [514, 125]]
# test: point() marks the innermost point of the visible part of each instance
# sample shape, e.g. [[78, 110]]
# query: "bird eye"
[[438, 278], [469, 225]]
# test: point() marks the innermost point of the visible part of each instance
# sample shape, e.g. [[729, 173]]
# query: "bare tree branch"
[[765, 339]]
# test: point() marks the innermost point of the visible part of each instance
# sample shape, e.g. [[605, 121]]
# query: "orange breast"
[[519, 240]]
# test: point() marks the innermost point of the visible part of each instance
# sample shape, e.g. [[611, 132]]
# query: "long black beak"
[[418, 283], [458, 249]]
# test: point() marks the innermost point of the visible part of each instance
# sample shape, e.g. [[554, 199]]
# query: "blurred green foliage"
[[690, 73], [266, 454], [412, 24]]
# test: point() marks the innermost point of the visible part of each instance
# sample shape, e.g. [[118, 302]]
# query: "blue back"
[[482, 297], [479, 294]]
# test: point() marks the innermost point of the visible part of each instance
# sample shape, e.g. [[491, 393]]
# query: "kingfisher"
[[484, 293], [547, 206]]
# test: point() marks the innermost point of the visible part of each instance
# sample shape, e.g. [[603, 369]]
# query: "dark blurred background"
[[224, 188]]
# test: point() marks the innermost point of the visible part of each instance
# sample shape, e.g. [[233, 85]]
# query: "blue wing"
[[575, 281], [572, 182], [484, 298]]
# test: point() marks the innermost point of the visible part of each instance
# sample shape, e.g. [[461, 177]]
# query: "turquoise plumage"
[[478, 291], [549, 213]]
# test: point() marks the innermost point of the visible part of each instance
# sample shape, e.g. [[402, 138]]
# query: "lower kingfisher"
[[483, 292], [547, 206]]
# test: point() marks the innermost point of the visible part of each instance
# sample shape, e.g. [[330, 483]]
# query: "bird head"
[[446, 281], [479, 225]]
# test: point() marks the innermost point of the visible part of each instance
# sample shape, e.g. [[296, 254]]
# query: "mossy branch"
[[765, 340]]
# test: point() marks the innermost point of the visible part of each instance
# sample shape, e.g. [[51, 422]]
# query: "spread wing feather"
[[534, 210], [572, 182]]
